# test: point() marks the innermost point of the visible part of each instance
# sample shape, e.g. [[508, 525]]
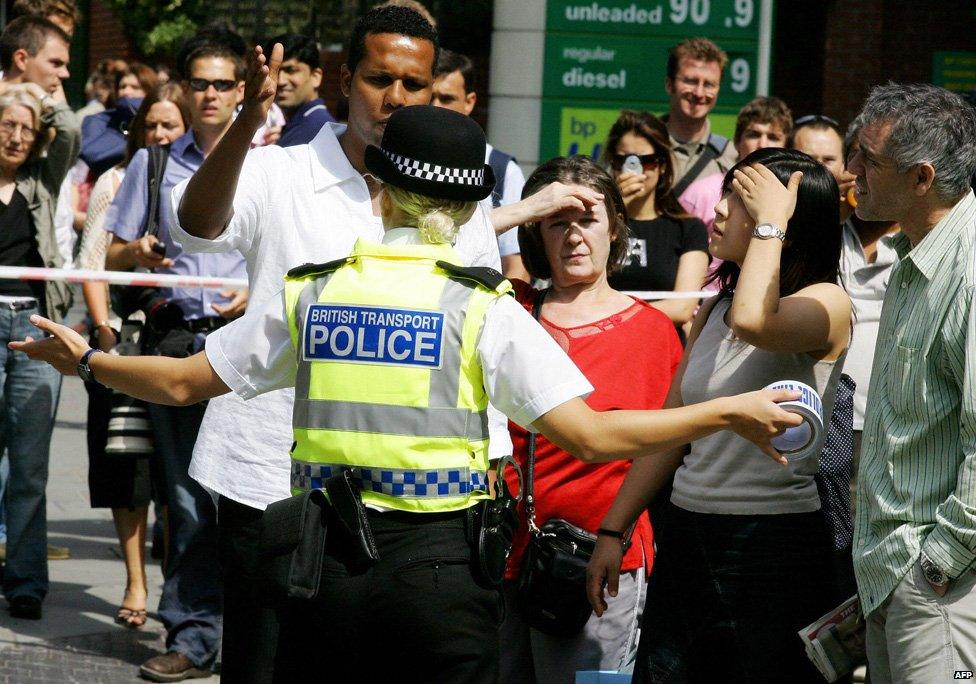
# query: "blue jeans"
[[4, 474], [728, 595], [191, 606], [29, 393]]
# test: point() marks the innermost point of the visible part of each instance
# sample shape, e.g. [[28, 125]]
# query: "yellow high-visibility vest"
[[389, 383]]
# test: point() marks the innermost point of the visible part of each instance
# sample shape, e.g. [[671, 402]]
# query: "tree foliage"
[[157, 28]]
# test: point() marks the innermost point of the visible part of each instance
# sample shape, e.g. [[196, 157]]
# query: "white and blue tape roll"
[[801, 441]]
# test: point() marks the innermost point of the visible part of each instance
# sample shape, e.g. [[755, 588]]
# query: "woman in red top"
[[628, 351]]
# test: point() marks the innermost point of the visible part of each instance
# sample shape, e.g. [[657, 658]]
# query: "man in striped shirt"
[[915, 534]]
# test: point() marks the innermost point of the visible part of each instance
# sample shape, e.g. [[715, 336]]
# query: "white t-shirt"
[[526, 373], [294, 205]]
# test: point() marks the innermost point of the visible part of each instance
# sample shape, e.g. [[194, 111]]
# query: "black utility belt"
[[208, 324]]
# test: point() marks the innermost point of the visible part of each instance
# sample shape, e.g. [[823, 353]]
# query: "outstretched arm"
[[157, 379], [208, 203]]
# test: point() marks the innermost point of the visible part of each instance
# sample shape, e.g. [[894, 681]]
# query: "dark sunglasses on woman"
[[648, 161], [221, 85]]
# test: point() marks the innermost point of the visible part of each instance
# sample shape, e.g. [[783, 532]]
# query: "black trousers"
[[250, 627], [415, 616]]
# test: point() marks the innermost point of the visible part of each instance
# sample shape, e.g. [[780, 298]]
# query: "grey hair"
[[850, 137], [929, 125]]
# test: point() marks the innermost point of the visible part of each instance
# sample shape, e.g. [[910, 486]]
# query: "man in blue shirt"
[[299, 79], [191, 604]]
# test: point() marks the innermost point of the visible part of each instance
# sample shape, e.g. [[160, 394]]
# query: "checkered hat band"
[[435, 172]]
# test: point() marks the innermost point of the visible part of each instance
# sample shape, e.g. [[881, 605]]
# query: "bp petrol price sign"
[[605, 55]]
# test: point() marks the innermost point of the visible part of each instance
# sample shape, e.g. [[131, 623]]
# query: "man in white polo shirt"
[[282, 207]]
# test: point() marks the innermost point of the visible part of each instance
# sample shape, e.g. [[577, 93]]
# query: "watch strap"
[[84, 369]]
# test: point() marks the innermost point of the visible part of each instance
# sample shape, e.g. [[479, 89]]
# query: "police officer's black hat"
[[433, 151]]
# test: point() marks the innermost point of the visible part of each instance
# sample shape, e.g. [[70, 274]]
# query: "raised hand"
[[63, 349], [235, 306], [765, 197], [758, 418], [260, 85], [556, 197], [631, 185]]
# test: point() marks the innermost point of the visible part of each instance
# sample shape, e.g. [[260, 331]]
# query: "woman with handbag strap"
[[125, 484], [629, 351], [395, 352]]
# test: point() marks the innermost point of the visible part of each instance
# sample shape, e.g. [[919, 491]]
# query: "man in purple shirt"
[[191, 604], [299, 79]]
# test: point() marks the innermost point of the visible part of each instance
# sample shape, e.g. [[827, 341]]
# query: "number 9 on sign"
[[743, 13], [739, 71]]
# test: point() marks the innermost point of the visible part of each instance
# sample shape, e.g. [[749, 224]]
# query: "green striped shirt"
[[917, 478]]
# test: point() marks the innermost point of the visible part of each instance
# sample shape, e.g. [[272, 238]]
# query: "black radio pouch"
[[292, 545], [492, 525], [345, 494]]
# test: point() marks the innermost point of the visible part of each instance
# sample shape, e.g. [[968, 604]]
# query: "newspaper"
[[835, 642]]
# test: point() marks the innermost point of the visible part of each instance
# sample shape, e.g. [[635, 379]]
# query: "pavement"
[[77, 639]]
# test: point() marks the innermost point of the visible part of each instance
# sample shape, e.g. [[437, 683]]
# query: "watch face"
[[766, 230]]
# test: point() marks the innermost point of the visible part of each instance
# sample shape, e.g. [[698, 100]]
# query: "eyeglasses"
[[8, 128], [815, 119], [221, 85], [648, 161]]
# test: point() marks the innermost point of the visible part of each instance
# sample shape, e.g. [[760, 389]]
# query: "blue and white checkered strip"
[[401, 483], [435, 172]]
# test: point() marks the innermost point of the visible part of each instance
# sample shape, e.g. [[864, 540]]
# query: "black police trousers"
[[417, 615]]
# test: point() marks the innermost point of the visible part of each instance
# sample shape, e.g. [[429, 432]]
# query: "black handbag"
[[551, 588]]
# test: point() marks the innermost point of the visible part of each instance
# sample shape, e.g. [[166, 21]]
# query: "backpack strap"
[[498, 161], [158, 156], [713, 150]]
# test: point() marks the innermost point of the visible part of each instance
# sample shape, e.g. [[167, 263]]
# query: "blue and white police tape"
[[801, 441]]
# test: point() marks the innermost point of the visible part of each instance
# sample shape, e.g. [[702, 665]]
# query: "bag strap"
[[713, 150], [530, 475], [158, 156]]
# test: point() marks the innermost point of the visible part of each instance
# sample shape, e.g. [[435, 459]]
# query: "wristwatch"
[[933, 573], [764, 231], [84, 370]]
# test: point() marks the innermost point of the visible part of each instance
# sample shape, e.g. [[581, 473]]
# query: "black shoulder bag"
[[551, 588], [127, 299]]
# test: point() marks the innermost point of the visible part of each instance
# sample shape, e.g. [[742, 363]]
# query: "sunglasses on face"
[[221, 85], [647, 161]]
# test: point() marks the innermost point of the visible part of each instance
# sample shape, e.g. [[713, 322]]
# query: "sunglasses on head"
[[647, 161], [221, 85], [815, 119]]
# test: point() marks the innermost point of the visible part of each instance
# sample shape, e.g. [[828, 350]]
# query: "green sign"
[[955, 71], [618, 67], [604, 56], [738, 19], [582, 129]]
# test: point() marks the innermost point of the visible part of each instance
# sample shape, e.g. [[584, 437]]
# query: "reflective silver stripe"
[[388, 419], [395, 482], [308, 296], [444, 383]]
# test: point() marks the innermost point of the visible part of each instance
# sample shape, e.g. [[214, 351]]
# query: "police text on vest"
[[375, 335]]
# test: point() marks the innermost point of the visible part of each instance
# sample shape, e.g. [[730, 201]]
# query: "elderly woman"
[[629, 351], [29, 182], [394, 353]]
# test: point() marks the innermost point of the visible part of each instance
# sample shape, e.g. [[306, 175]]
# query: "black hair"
[[811, 253], [212, 50], [27, 33], [449, 61], [299, 47], [388, 19], [220, 38]]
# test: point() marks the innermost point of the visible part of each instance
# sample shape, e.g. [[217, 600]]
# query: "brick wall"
[[107, 39]]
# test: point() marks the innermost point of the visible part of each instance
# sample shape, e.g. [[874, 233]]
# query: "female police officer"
[[394, 353]]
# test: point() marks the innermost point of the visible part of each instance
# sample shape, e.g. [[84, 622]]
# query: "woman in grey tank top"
[[744, 560]]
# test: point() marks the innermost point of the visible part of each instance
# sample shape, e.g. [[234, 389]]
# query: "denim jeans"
[[728, 595], [4, 474], [191, 605], [30, 391]]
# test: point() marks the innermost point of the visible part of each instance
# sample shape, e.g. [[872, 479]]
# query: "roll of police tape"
[[801, 441]]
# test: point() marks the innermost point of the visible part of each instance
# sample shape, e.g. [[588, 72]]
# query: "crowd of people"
[[836, 257]]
